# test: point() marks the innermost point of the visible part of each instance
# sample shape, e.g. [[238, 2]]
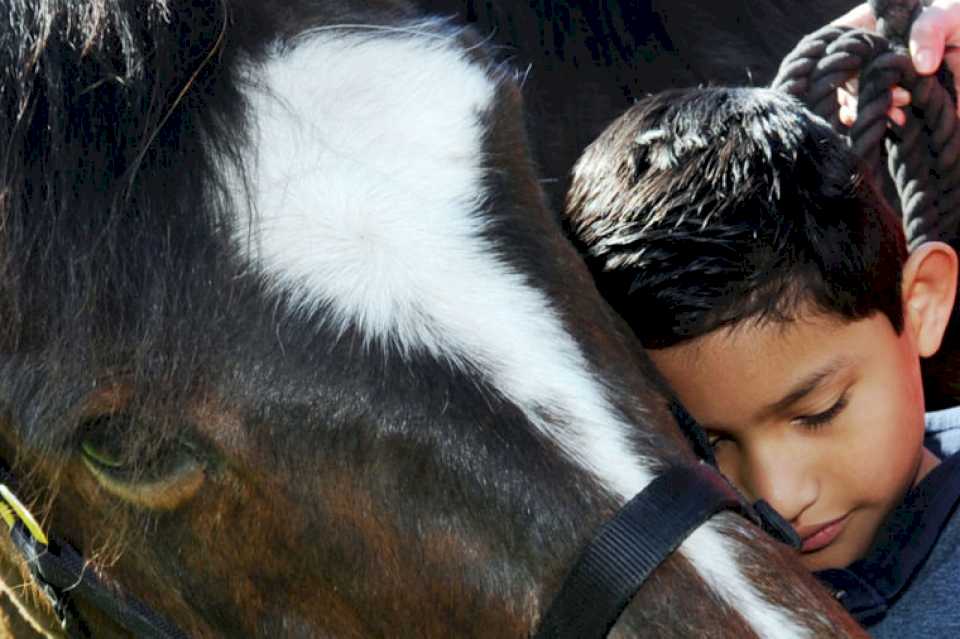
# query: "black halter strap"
[[629, 547], [760, 512], [694, 433], [61, 573]]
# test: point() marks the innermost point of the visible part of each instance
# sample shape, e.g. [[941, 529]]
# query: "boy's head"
[[738, 236]]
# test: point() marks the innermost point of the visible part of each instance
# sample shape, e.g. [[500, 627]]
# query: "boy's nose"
[[783, 478]]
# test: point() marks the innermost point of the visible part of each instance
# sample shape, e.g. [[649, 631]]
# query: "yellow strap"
[[13, 510]]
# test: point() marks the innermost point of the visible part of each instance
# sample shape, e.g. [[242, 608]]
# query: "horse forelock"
[[79, 108]]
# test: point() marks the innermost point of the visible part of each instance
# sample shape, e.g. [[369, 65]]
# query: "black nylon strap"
[[694, 433], [30, 549], [61, 573], [769, 519], [627, 549], [775, 525], [60, 567]]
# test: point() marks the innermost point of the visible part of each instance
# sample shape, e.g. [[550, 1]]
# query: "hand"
[[934, 37]]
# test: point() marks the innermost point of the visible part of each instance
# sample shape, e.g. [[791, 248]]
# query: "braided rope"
[[894, 18], [923, 156]]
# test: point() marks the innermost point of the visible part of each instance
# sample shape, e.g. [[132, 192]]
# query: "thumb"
[[860, 17], [936, 28]]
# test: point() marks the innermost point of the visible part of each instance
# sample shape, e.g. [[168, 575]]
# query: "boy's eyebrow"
[[805, 386]]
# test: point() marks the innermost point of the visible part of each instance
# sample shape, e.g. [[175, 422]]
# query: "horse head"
[[292, 345]]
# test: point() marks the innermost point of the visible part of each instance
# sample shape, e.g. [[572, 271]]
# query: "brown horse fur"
[[348, 489]]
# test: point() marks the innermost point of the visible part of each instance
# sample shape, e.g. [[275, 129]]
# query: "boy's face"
[[821, 417]]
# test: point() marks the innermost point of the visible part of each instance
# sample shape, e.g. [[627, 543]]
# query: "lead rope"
[[923, 156]]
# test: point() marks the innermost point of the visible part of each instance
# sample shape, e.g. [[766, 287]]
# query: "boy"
[[771, 285]]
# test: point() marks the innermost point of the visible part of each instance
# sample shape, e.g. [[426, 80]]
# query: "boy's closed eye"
[[812, 421], [821, 419]]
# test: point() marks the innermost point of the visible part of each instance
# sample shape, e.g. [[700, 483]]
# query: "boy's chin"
[[822, 560], [815, 561]]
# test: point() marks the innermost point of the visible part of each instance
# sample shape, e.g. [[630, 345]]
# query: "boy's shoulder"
[[926, 605], [909, 581], [943, 432], [928, 608]]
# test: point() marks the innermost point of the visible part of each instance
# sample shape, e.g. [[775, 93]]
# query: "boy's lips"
[[821, 535]]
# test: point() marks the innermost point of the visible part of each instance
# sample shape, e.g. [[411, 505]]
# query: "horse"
[[293, 345]]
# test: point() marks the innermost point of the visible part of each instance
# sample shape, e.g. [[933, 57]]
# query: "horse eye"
[[158, 477]]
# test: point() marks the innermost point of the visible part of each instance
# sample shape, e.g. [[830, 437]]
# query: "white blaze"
[[368, 182]]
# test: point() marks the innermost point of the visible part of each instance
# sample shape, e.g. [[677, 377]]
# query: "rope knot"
[[894, 18], [922, 157]]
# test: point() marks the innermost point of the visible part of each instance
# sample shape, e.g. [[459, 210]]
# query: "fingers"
[[934, 38], [900, 97], [847, 99], [860, 17], [927, 40], [848, 107], [936, 29]]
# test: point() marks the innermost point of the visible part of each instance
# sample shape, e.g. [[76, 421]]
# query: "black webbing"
[[627, 549], [769, 519], [694, 433], [62, 574], [63, 568]]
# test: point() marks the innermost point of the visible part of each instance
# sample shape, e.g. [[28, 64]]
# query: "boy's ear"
[[929, 286]]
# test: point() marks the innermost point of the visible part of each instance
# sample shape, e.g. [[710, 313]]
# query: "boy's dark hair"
[[702, 208]]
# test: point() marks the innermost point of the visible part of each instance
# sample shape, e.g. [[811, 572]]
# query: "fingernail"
[[924, 61]]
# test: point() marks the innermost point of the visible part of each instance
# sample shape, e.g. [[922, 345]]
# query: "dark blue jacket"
[[908, 584]]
